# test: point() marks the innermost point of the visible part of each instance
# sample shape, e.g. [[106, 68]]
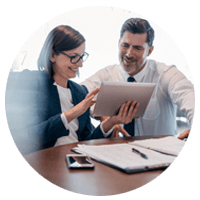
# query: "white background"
[[100, 26]]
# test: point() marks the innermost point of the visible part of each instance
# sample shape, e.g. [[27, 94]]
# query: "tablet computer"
[[113, 94]]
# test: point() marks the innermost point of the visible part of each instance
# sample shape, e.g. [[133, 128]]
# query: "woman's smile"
[[73, 69]]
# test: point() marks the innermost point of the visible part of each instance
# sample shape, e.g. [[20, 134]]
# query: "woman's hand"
[[88, 101], [80, 108], [126, 114]]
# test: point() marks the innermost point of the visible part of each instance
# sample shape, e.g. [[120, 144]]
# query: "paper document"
[[122, 156], [169, 145]]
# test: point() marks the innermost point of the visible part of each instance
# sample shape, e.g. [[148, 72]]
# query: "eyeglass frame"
[[71, 57]]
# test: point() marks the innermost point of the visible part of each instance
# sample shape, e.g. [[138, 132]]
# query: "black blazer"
[[34, 113]]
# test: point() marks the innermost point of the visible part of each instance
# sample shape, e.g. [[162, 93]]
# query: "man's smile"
[[128, 60]]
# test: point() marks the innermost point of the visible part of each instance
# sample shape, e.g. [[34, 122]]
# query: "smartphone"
[[79, 161]]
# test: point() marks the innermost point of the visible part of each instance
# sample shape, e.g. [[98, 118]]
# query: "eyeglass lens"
[[76, 59]]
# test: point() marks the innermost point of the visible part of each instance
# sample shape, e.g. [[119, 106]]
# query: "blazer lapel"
[[77, 97]]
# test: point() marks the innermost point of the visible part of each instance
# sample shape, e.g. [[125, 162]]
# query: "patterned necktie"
[[130, 128]]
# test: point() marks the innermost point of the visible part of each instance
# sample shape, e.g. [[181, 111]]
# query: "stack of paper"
[[168, 145], [122, 156]]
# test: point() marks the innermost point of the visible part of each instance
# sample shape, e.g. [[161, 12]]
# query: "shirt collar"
[[138, 77]]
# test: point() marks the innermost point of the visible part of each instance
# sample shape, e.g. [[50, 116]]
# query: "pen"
[[138, 152]]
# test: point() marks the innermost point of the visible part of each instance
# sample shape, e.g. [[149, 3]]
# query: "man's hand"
[[118, 129], [183, 135]]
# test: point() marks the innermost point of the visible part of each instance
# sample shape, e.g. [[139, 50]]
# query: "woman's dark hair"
[[61, 38], [137, 25]]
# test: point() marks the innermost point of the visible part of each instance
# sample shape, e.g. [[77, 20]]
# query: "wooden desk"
[[103, 180]]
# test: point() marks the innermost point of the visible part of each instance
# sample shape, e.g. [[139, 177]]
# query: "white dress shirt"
[[66, 102], [172, 88]]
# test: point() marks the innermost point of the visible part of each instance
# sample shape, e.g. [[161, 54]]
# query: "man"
[[172, 87]]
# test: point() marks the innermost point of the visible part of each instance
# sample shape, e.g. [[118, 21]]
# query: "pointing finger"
[[94, 92]]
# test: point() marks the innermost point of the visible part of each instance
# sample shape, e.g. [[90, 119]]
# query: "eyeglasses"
[[76, 58]]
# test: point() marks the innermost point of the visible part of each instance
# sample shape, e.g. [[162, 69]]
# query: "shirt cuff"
[[106, 134], [64, 120]]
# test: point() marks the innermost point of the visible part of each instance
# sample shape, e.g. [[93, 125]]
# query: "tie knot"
[[131, 79]]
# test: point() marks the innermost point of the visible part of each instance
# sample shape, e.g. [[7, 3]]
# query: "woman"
[[50, 108]]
